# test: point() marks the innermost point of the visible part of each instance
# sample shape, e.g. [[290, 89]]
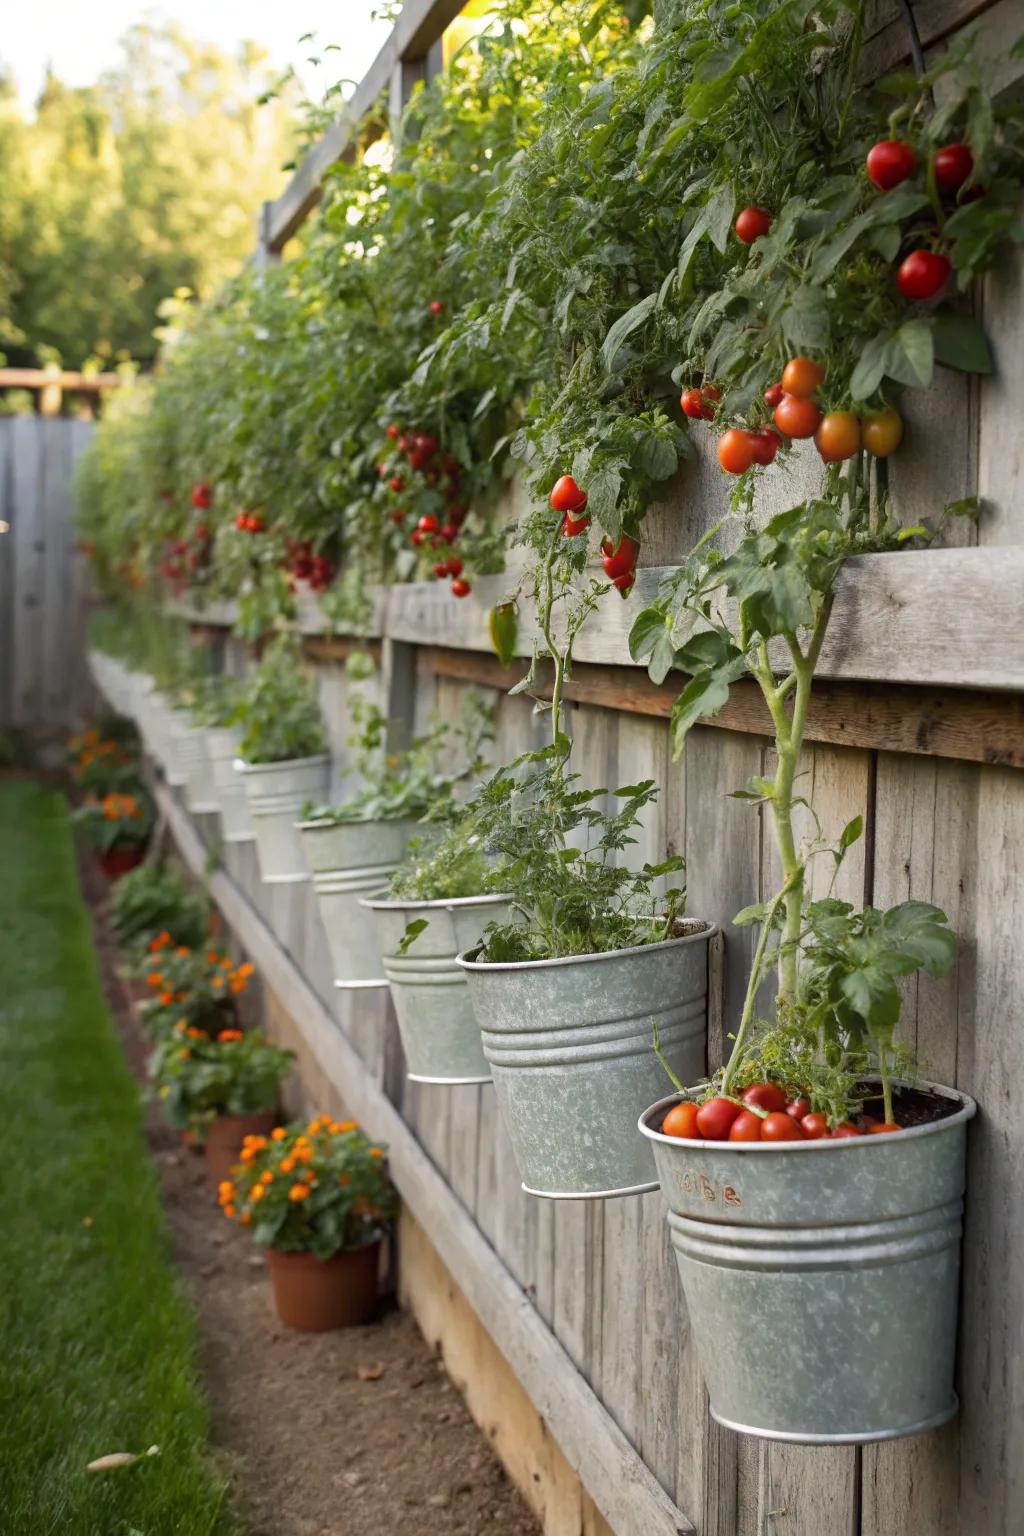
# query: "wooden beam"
[[44, 378], [419, 25], [966, 725], [338, 647], [621, 1485]]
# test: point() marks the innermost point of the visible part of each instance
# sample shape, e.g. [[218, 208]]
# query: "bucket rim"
[[703, 933], [437, 904]]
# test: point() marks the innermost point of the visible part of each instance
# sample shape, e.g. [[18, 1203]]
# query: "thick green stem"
[[885, 1075], [547, 608], [736, 1055]]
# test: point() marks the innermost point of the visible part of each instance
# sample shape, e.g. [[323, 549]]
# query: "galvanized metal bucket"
[[276, 793], [190, 746], [169, 723], [222, 747], [440, 1034], [842, 1257], [350, 860], [569, 1046]]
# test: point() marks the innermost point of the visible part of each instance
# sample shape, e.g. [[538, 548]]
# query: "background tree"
[[117, 194]]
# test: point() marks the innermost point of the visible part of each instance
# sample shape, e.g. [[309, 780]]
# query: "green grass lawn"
[[97, 1343]]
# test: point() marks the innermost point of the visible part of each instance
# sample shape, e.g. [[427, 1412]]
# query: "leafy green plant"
[[410, 783], [320, 1188], [197, 1077], [152, 901], [278, 711], [555, 855]]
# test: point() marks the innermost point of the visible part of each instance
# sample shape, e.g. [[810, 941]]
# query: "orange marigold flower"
[[212, 957], [256, 1193], [229, 1211], [266, 1177], [376, 1152], [185, 1054], [183, 951], [224, 962], [225, 1187], [230, 1034], [287, 1164], [341, 1126], [245, 1218], [257, 1143], [308, 1177], [166, 999], [278, 1133], [298, 1192], [245, 969], [154, 980]]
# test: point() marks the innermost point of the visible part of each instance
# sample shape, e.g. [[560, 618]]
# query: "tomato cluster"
[[763, 1113], [185, 558], [619, 562], [201, 495], [699, 404], [923, 274], [422, 452], [250, 522], [304, 564]]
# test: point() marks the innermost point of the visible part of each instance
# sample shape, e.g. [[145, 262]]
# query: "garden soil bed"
[[356, 1433]]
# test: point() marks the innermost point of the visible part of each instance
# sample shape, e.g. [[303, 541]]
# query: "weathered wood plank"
[[622, 1487]]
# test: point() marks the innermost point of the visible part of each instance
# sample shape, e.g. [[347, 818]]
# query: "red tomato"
[[715, 1118], [781, 1127], [449, 532], [843, 1129], [711, 392], [883, 1128], [454, 566], [571, 526], [923, 274], [417, 537], [436, 307], [765, 1096], [751, 224], [766, 445], [255, 524], [838, 436], [799, 1109], [428, 523], [397, 483], [681, 1120], [567, 496], [953, 164], [802, 376], [461, 587], [625, 583], [242, 521], [398, 515], [619, 559], [890, 162], [393, 431], [441, 569], [736, 450], [882, 432], [427, 444], [814, 1126], [692, 402], [773, 395], [746, 1126], [796, 417], [202, 495]]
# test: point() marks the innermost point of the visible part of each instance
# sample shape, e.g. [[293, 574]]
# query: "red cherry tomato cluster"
[[250, 522], [304, 564], [201, 495], [619, 561], [185, 558], [923, 274], [764, 1113], [421, 451], [567, 497], [699, 404]]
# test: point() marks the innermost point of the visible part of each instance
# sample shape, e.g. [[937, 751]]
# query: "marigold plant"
[[319, 1188], [193, 988], [116, 820], [197, 1075]]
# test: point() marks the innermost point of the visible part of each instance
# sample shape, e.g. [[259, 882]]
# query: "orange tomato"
[[838, 436], [882, 432], [802, 376], [681, 1120], [797, 417], [736, 450]]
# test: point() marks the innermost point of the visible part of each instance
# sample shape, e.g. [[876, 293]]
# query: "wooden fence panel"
[[43, 579]]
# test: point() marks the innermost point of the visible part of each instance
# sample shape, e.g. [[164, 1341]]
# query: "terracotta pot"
[[316, 1295], [224, 1137], [118, 861]]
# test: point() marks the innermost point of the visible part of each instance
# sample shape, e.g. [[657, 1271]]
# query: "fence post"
[[264, 253], [51, 393]]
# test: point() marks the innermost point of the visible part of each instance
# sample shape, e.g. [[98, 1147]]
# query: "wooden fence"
[[43, 577], [917, 725]]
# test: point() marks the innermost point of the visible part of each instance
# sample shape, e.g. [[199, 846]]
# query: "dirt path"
[[355, 1433]]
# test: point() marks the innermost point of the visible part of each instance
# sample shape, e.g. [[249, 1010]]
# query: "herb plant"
[[153, 900], [279, 712]]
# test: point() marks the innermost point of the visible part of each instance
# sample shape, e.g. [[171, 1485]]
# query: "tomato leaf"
[[624, 326], [961, 343]]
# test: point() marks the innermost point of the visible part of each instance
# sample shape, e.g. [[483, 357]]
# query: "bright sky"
[[80, 40]]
